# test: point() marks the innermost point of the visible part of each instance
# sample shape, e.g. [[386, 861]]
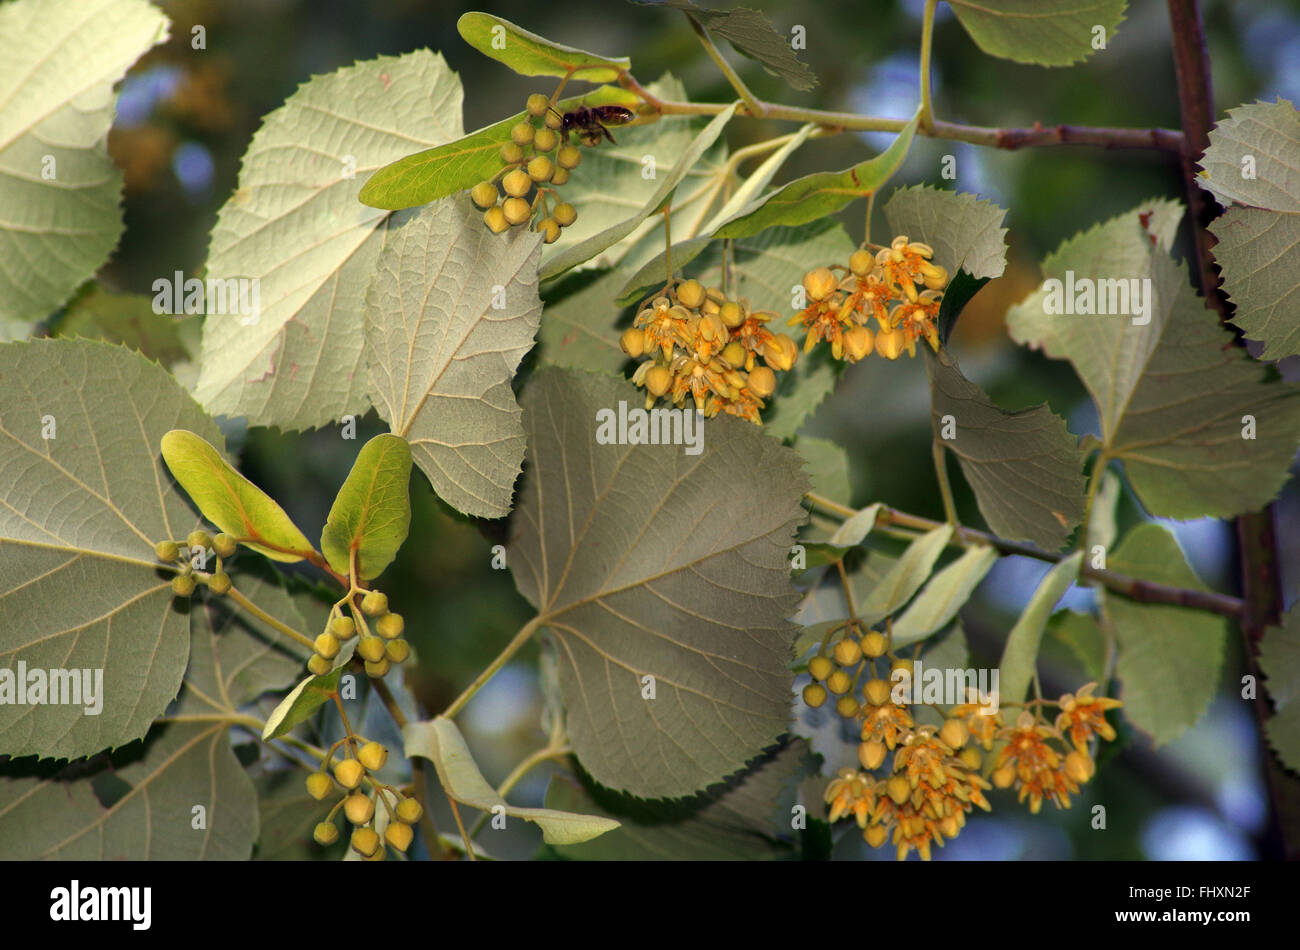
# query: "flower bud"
[[365, 842], [762, 382], [167, 551], [690, 293], [861, 263], [877, 692], [820, 667], [819, 283], [838, 682], [954, 734], [873, 644], [657, 380], [858, 342], [780, 352], [848, 652], [814, 694], [890, 343], [899, 789], [359, 808], [871, 754]]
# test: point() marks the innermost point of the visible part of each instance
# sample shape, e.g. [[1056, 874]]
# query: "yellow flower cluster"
[[898, 286], [707, 347], [934, 779]]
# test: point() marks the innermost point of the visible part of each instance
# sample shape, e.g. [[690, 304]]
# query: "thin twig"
[[1134, 588]]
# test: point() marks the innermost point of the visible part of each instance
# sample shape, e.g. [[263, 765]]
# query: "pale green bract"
[[440, 741]]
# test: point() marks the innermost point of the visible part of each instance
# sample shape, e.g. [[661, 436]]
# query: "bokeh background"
[[186, 117]]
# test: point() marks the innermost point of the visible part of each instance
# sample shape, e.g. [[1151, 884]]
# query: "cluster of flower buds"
[[714, 350], [934, 780], [536, 161], [351, 774], [899, 287]]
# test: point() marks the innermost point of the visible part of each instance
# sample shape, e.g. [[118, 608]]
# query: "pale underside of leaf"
[[56, 106], [641, 564], [296, 226], [442, 353], [79, 516]]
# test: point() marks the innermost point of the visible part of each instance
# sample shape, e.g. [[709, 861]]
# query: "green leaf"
[[967, 236], [905, 577], [1109, 352], [743, 820], [1081, 635], [450, 313], [1283, 733], [440, 741], [299, 706], [961, 288], [965, 231], [828, 467], [943, 595], [1173, 394], [1267, 133], [372, 511], [465, 161], [1169, 657], [1020, 654], [295, 227], [131, 319], [822, 194], [693, 592], [1251, 161], [181, 766], [531, 55], [1043, 32], [234, 659], [584, 250], [1025, 468], [287, 815], [229, 500], [578, 330], [856, 527], [1102, 526], [753, 36], [1279, 659], [59, 189], [81, 514]]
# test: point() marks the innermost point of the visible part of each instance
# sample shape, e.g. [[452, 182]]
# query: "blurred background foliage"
[[186, 117]]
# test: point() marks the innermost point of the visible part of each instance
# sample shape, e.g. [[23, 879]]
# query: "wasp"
[[589, 121]]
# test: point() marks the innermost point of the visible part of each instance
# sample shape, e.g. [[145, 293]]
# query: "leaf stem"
[[1134, 588], [945, 487], [752, 104], [266, 618], [455, 810], [523, 636], [927, 37]]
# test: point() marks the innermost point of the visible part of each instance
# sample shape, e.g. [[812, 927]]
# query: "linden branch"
[[1163, 140], [1134, 588]]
